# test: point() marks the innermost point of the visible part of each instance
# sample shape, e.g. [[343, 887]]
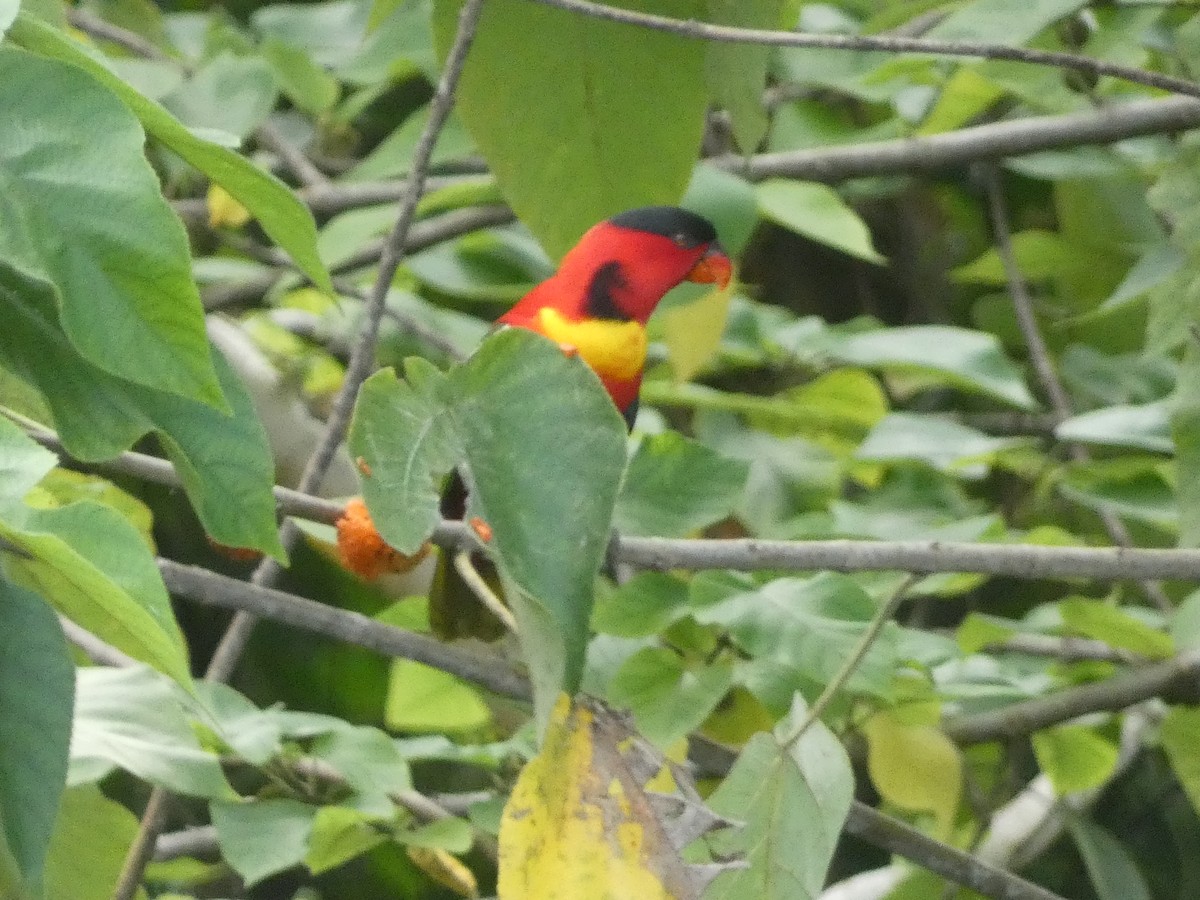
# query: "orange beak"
[[714, 267]]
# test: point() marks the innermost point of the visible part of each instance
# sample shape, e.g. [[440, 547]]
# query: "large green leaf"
[[282, 216], [610, 119], [37, 689], [793, 800], [945, 445], [136, 720], [972, 360], [543, 448], [1111, 867], [1145, 426], [230, 93], [1074, 757], [675, 486], [89, 562], [224, 460], [86, 217]]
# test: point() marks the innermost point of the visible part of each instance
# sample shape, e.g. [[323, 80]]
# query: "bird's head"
[[630, 261]]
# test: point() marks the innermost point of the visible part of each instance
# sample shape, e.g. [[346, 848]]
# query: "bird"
[[596, 305]]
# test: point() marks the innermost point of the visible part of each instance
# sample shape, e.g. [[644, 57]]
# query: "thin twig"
[[482, 590], [362, 359], [1066, 649], [869, 636], [1043, 365], [692, 28]]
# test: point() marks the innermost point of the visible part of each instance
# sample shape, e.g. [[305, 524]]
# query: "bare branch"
[[1180, 673], [691, 28], [901, 838], [203, 586]]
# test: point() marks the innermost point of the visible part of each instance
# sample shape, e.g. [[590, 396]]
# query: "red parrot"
[[596, 305]]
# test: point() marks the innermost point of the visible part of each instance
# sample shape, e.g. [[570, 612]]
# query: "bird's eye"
[[686, 241]]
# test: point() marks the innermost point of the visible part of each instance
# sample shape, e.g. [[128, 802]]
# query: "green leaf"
[[421, 698], [23, 463], [794, 801], [262, 837], [737, 73], [1131, 487], [668, 698], [369, 761], [817, 212], [1040, 255], [219, 457], [1180, 736], [1103, 622], [545, 449], [809, 624], [282, 216], [1185, 429], [971, 360], [404, 432], [675, 486], [393, 156], [1144, 427], [340, 835], [305, 83], [8, 14], [1002, 21], [233, 94], [642, 606], [91, 839], [1111, 867], [944, 445], [134, 719], [87, 219], [37, 688], [452, 835], [600, 147], [1157, 264], [1075, 758]]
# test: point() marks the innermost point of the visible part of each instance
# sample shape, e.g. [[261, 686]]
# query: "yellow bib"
[[613, 349]]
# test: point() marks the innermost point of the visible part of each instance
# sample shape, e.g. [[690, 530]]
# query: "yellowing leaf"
[[579, 826], [445, 869], [223, 210], [692, 332], [915, 767]]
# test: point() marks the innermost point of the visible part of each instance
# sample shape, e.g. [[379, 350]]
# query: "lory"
[[596, 305]]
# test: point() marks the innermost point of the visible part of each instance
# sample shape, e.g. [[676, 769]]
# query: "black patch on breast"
[[630, 413], [601, 302]]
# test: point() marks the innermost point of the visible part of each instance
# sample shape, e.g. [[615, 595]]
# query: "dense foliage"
[[965, 320]]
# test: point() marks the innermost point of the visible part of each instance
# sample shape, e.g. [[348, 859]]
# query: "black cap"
[[683, 227]]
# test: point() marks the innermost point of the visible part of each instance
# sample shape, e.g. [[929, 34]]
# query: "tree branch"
[[691, 28], [1025, 561], [206, 587], [962, 868], [1180, 673]]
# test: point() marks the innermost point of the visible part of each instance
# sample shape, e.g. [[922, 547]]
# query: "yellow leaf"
[[223, 210], [692, 332], [914, 766], [578, 825], [445, 869]]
